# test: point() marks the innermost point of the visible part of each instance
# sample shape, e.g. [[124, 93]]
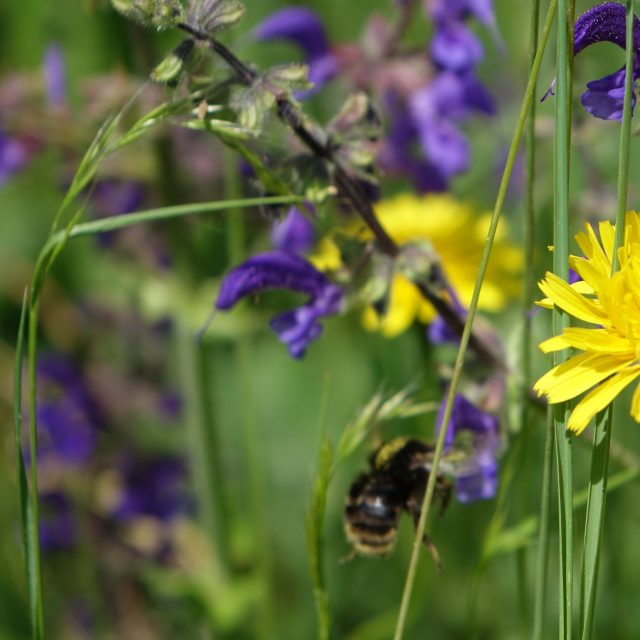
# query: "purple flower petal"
[[604, 98], [68, 423], [481, 10], [455, 47], [304, 28], [606, 22], [55, 76], [294, 233], [14, 156], [152, 488], [477, 478], [280, 270], [57, 523]]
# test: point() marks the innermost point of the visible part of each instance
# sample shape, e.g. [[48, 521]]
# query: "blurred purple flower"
[[57, 522], [55, 77], [445, 10], [604, 98], [154, 487], [116, 197], [67, 418], [398, 154], [477, 477], [14, 156], [447, 99], [439, 331], [304, 28], [294, 233], [455, 47], [279, 270]]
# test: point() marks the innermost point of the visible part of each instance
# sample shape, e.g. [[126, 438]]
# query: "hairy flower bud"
[[161, 14], [173, 65], [213, 15]]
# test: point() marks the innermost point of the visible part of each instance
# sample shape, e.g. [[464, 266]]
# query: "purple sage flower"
[[14, 156], [604, 98], [455, 47], [303, 27], [294, 233], [55, 77], [477, 435], [449, 98], [154, 487], [439, 331], [444, 10], [57, 523], [68, 424], [279, 270]]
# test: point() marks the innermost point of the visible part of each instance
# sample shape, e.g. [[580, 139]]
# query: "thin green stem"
[[528, 289], [542, 552], [198, 438], [561, 320], [243, 361], [33, 530], [164, 213], [594, 525], [464, 340]]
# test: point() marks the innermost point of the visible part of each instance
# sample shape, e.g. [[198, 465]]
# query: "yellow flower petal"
[[635, 404], [557, 343], [403, 307], [600, 397], [607, 237], [563, 296], [576, 375], [597, 340]]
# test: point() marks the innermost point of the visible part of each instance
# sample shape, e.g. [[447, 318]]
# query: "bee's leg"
[[348, 558], [433, 550], [444, 489], [414, 509]]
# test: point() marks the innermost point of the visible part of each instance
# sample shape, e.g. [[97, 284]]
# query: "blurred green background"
[[267, 409]]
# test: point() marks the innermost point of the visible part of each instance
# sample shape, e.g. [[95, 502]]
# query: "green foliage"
[[160, 14]]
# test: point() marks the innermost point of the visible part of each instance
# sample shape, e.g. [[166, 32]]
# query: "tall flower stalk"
[[594, 524], [464, 341]]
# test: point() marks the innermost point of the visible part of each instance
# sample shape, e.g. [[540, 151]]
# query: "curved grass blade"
[[464, 340], [29, 527], [594, 524]]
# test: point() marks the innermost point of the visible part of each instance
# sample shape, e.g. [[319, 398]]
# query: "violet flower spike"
[[279, 270], [68, 420], [604, 98], [294, 233], [455, 47], [303, 27], [55, 77], [477, 477], [14, 156]]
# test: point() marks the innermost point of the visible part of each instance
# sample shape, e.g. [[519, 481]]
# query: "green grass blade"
[[542, 552], [594, 524], [315, 536], [166, 213], [464, 340], [29, 529], [564, 438]]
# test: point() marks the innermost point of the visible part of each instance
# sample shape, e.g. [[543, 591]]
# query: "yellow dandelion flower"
[[610, 351], [457, 233]]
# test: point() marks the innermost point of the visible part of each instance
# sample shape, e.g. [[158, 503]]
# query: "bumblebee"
[[396, 482]]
